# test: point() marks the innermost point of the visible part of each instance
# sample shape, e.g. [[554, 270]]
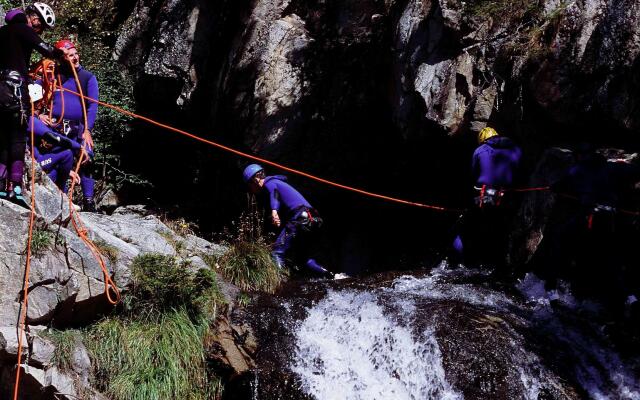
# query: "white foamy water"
[[347, 348], [600, 371], [351, 347]]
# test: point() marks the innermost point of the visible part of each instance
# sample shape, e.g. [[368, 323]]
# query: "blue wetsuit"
[[298, 214], [73, 119], [494, 165], [496, 162], [56, 159]]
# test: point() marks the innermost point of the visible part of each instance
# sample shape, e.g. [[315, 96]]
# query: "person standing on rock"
[[67, 124], [289, 210], [18, 39], [495, 166]]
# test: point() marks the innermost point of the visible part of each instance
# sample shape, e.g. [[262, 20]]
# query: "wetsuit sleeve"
[[274, 196], [33, 40], [475, 166], [92, 108]]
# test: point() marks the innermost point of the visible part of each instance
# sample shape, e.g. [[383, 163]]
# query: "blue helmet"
[[250, 171]]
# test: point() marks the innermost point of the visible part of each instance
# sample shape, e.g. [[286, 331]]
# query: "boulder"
[[9, 343]]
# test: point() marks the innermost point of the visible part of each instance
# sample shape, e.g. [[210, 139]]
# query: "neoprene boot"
[[15, 195], [88, 205], [3, 189]]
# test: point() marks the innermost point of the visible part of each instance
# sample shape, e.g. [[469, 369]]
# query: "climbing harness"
[[11, 85], [489, 196]]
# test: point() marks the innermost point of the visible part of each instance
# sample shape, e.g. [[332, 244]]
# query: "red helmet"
[[65, 44]]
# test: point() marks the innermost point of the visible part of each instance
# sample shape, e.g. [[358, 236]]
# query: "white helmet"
[[45, 12]]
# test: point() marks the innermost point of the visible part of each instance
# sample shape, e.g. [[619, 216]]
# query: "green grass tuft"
[[65, 342], [249, 265], [161, 359], [110, 252], [155, 348], [41, 240]]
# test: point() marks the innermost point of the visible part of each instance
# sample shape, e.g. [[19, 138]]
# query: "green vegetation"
[[110, 252], [526, 26], [155, 347], [65, 342], [248, 263], [243, 299], [180, 226], [504, 9], [41, 240], [159, 359], [177, 244]]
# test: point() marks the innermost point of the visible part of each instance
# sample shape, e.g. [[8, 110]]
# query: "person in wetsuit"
[[484, 230], [18, 38], [291, 211]]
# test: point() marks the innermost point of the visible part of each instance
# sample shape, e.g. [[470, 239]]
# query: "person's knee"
[[66, 159]]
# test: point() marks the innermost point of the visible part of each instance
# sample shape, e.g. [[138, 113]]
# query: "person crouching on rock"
[[289, 210], [67, 123]]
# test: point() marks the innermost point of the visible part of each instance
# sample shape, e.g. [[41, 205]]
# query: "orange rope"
[[533, 189], [298, 172], [27, 269], [75, 218], [264, 161]]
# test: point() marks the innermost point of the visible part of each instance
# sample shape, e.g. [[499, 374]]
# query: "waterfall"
[[348, 348], [386, 343]]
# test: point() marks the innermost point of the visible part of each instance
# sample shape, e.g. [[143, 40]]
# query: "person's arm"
[[475, 167], [92, 107], [31, 37], [274, 200]]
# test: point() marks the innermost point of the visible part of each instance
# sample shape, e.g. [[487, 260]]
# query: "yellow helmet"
[[486, 134]]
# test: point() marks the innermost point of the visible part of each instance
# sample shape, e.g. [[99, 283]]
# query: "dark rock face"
[[381, 95], [443, 60]]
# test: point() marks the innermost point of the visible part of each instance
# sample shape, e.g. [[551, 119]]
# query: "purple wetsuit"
[[73, 119], [495, 163], [55, 159], [296, 209], [17, 40]]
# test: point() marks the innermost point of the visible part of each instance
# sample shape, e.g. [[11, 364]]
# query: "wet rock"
[[477, 341], [233, 348], [536, 207]]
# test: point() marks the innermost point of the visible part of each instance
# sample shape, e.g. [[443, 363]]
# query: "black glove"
[[57, 140]]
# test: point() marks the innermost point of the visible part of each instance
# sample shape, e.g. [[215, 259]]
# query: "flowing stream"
[[443, 335]]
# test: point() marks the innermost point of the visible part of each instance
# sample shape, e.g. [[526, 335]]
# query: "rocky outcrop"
[[66, 282], [453, 63]]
